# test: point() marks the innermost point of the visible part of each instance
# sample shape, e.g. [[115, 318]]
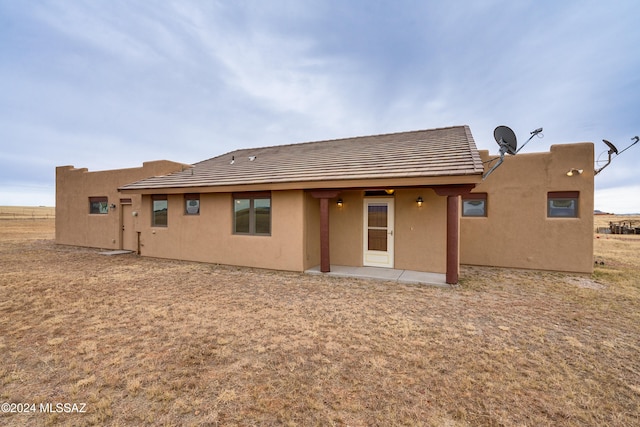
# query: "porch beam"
[[453, 190]]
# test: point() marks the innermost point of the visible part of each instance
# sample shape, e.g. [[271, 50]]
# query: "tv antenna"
[[508, 143], [613, 150]]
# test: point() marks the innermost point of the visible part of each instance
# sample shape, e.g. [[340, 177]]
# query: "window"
[[160, 210], [98, 205], [192, 204], [252, 213], [474, 204], [562, 204]]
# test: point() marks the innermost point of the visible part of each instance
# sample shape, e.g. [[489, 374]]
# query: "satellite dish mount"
[[508, 143], [613, 150]]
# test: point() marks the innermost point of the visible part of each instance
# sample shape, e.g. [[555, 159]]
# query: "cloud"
[[112, 84]]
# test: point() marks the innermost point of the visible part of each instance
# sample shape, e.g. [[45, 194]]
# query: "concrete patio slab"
[[387, 274], [117, 252]]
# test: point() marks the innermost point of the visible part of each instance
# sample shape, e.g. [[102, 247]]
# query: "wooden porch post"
[[453, 193], [325, 261], [324, 196], [453, 240]]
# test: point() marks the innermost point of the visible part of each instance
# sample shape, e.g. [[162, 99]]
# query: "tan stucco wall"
[[208, 237], [517, 233], [346, 224], [74, 224], [421, 232]]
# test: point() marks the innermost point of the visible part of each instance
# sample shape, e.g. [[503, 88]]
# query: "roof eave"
[[412, 181]]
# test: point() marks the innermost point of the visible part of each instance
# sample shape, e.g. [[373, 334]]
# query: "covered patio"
[[451, 192]]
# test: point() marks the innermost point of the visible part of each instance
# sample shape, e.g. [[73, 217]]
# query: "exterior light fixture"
[[112, 206], [574, 172], [390, 191], [419, 201], [339, 203]]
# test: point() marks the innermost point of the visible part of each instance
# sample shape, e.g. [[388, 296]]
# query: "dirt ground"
[[141, 341]]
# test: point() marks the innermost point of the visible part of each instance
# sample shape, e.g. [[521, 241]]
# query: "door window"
[[377, 227]]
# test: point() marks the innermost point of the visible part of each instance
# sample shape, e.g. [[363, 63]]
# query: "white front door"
[[378, 232]]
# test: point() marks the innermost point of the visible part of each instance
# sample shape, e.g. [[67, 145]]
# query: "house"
[[411, 200]]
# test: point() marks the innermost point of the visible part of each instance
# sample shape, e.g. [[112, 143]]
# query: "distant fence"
[[26, 213], [618, 229], [624, 229]]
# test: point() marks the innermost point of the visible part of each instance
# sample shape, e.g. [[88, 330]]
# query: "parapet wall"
[[75, 225]]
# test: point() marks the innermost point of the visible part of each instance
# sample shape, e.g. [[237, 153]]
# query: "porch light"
[[112, 206], [419, 201], [574, 172], [390, 191], [339, 203]]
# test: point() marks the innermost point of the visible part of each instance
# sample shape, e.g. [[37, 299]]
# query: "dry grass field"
[[27, 212], [156, 342]]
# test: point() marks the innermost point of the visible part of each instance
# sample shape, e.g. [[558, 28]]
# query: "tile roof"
[[424, 153]]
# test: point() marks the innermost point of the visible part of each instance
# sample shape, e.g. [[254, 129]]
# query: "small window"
[[192, 204], [252, 213], [474, 204], [98, 205], [562, 204], [160, 211]]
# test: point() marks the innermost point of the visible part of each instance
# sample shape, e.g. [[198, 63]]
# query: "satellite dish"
[[508, 143], [612, 148], [506, 139]]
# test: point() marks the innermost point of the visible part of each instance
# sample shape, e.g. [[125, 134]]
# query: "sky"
[[109, 84]]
